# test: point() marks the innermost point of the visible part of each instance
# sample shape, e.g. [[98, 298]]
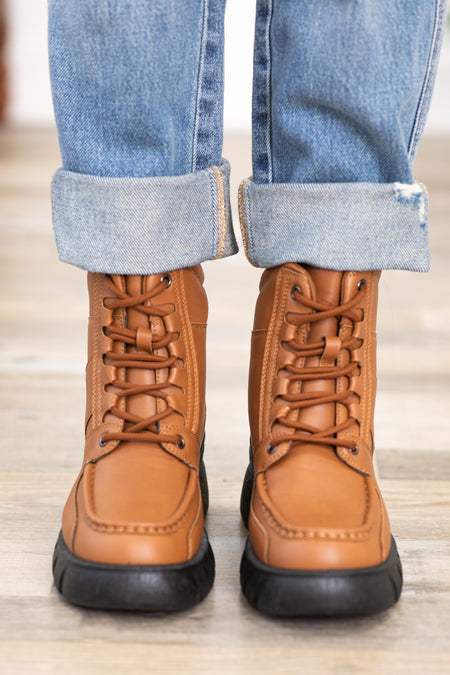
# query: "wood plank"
[[92, 657]]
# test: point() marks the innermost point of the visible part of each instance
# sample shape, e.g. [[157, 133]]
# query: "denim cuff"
[[342, 226], [142, 225]]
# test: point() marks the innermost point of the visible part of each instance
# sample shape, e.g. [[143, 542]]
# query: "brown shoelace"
[[147, 344], [303, 432]]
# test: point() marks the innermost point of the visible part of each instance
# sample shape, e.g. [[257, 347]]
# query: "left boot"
[[320, 541], [133, 535]]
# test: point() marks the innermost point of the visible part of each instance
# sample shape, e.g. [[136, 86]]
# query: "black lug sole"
[[296, 593], [247, 489], [301, 593], [147, 588]]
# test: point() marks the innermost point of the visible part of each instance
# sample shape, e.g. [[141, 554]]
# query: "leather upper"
[[137, 498], [315, 503]]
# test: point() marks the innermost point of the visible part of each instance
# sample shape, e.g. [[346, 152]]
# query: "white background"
[[30, 98]]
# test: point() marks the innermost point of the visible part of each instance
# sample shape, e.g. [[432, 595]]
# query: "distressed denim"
[[340, 95]]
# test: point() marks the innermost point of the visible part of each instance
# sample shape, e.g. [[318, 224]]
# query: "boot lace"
[[297, 401], [136, 428]]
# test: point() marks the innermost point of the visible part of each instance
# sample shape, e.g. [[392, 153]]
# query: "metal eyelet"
[[168, 278], [271, 448], [355, 451], [101, 442], [361, 282], [181, 444], [295, 288]]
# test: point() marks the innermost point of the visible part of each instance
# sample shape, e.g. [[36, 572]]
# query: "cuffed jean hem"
[[341, 226], [142, 225]]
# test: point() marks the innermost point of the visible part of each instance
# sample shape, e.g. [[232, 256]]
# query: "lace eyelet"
[[271, 448], [295, 288], [361, 282], [181, 444], [168, 278], [355, 451], [101, 442]]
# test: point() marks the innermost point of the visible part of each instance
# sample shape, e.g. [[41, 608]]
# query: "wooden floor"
[[42, 350]]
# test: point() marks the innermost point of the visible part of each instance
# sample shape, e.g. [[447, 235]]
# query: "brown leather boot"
[[320, 541], [133, 534]]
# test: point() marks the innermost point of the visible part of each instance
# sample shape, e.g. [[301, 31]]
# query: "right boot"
[[319, 536], [132, 535]]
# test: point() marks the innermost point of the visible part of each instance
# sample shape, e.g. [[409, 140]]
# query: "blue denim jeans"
[[340, 95]]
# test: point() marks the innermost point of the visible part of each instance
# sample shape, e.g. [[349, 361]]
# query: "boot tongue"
[[326, 288], [139, 404], [327, 284]]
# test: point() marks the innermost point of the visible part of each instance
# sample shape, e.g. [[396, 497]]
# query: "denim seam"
[[269, 94], [215, 211], [248, 221], [243, 206], [208, 126], [219, 202], [262, 146], [201, 63], [425, 94]]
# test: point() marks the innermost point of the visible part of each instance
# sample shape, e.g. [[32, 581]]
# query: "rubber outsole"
[[352, 592], [147, 588], [247, 489], [300, 593]]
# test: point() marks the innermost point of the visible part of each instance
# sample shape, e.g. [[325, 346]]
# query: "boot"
[[319, 537], [132, 534]]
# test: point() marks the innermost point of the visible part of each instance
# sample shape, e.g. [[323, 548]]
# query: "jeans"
[[340, 95]]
